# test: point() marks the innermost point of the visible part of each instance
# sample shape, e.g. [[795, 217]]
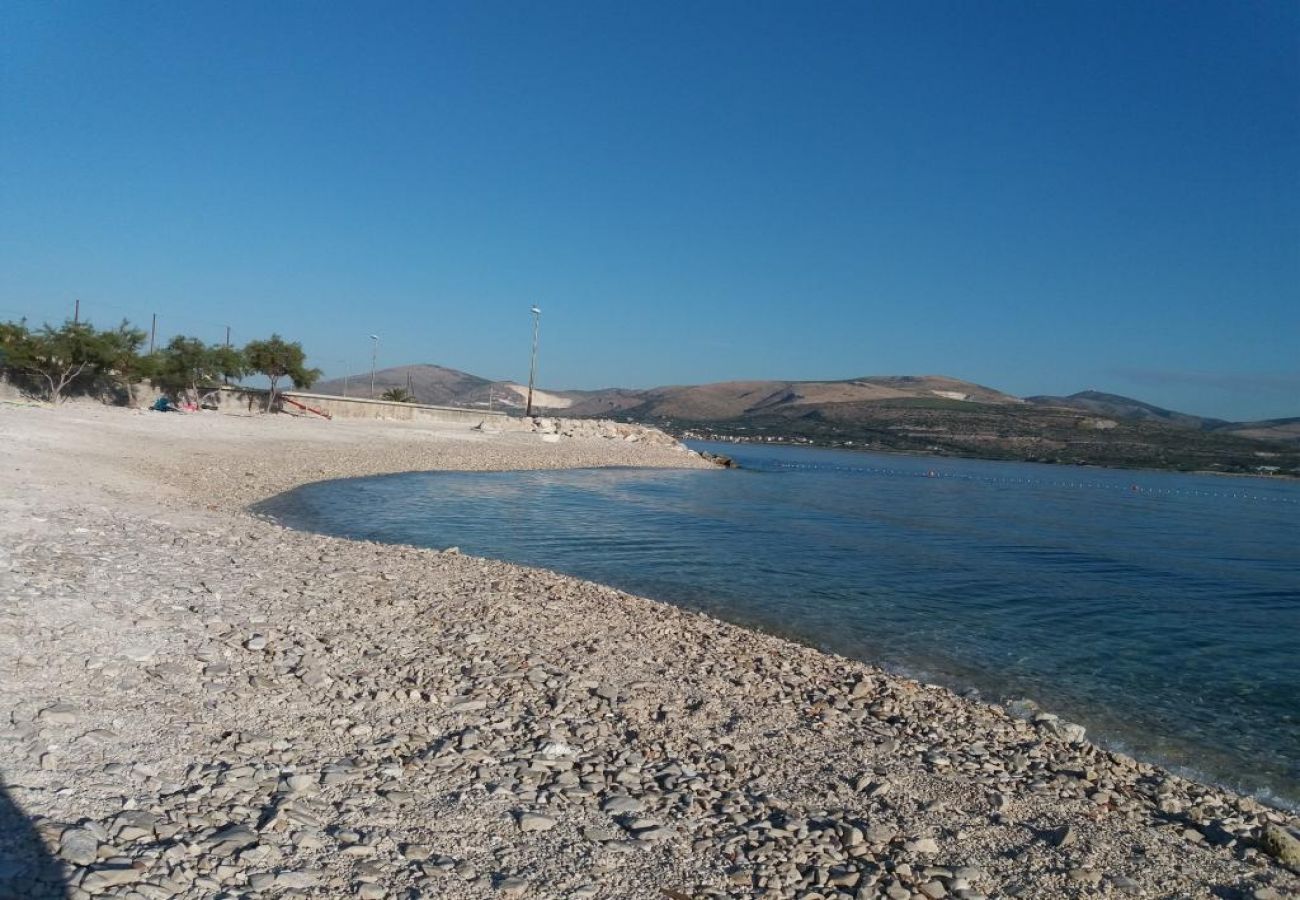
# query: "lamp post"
[[532, 368], [374, 355]]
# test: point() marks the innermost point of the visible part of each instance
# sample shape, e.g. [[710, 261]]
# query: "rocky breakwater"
[[221, 708], [555, 428]]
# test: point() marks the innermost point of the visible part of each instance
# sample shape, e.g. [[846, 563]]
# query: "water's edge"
[[270, 509]]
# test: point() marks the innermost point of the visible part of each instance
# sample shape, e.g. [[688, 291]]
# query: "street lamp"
[[532, 368], [374, 355]]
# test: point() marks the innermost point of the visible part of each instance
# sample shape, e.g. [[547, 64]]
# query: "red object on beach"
[[309, 409]]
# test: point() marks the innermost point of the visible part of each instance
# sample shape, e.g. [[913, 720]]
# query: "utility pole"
[[153, 333], [532, 367], [227, 335], [76, 312], [374, 355]]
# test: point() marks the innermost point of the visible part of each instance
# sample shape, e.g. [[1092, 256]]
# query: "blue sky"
[[1042, 197]]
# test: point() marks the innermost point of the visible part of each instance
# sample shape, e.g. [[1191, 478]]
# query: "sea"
[[1161, 610]]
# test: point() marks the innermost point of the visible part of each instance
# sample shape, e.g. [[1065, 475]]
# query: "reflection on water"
[[1161, 610]]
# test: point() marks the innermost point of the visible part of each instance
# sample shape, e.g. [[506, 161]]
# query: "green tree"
[[397, 395], [58, 358], [230, 362], [276, 358], [15, 346], [184, 365], [121, 354]]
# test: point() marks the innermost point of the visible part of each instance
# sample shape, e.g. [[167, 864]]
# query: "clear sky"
[[1041, 197]]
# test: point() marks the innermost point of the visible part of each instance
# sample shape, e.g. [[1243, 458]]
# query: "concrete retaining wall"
[[240, 399]]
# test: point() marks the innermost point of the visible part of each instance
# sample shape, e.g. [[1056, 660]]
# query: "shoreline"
[[1106, 739], [923, 454], [345, 717]]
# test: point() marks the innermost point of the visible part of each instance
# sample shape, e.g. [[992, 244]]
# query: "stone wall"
[[245, 400]]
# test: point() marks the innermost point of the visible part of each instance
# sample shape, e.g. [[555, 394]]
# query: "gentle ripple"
[[1161, 610]]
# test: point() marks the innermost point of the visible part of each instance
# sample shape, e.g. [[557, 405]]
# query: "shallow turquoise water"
[[1161, 610]]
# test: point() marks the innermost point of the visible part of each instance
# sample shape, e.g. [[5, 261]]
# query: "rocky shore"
[[198, 703]]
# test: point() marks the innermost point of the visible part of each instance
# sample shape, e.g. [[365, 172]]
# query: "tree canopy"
[[277, 358], [52, 362], [74, 354], [187, 364]]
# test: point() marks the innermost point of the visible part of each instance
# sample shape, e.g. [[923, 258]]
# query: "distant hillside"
[[431, 384], [441, 386], [916, 413], [739, 399], [1284, 430], [1116, 407]]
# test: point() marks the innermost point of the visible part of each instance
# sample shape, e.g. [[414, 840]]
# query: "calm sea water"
[[1160, 610]]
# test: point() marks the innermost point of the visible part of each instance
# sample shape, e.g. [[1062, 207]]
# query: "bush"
[[397, 395]]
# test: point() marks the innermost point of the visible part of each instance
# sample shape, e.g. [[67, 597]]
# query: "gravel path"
[[202, 704]]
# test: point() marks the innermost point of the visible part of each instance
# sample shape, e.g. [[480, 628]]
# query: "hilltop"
[[935, 414]]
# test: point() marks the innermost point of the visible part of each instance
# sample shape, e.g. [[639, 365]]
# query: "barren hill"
[[431, 384], [919, 413], [738, 399], [1118, 407]]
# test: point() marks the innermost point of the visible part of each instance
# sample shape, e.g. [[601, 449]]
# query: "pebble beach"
[[201, 703]]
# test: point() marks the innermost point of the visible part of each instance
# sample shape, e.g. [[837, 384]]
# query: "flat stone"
[[1125, 884], [101, 879], [531, 821], [79, 846], [300, 783], [303, 878], [621, 804], [59, 714], [922, 845], [133, 824], [880, 834], [463, 706], [1064, 836], [512, 886], [601, 835], [655, 833], [232, 839], [1085, 876]]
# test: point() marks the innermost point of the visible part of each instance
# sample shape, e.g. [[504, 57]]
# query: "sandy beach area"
[[200, 703]]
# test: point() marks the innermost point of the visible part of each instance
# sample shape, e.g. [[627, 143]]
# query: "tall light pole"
[[374, 355], [532, 368]]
